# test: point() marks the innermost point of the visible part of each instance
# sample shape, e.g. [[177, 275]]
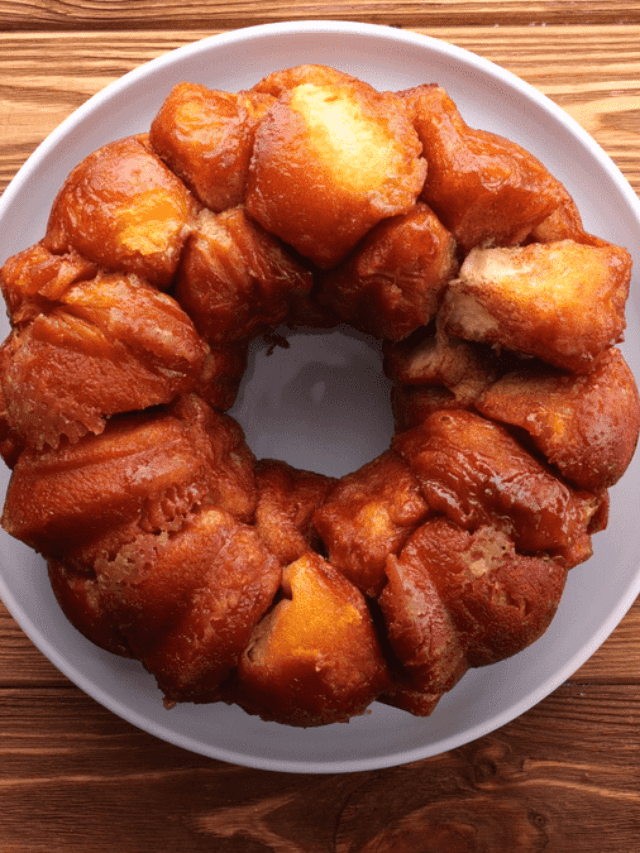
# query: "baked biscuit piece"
[[230, 462], [564, 223], [484, 188], [473, 471], [392, 282], [287, 500], [236, 281], [34, 278], [11, 442], [233, 578], [432, 371], [147, 472], [122, 208], [102, 346], [80, 598], [432, 357], [143, 469], [331, 159], [405, 695], [586, 425], [284, 80], [221, 375], [314, 659], [369, 515], [183, 603], [206, 138], [499, 601], [562, 302], [421, 631]]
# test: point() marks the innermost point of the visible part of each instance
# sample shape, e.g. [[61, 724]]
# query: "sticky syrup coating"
[[122, 208], [236, 280], [476, 473], [287, 502], [206, 138], [368, 515], [524, 299], [84, 351], [485, 189], [393, 281], [312, 199], [586, 425], [315, 658], [330, 160]]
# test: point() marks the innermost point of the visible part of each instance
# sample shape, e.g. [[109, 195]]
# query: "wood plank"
[[162, 14], [98, 784], [21, 663], [45, 76]]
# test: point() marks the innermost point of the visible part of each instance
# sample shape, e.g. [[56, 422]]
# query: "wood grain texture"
[[45, 76], [564, 777], [162, 14], [100, 786]]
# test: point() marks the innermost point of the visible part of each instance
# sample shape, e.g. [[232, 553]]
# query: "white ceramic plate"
[[598, 593]]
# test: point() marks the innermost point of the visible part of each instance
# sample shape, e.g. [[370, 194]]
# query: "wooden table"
[[566, 775]]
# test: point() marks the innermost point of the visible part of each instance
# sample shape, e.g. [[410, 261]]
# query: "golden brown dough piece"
[[287, 500], [587, 425], [11, 442], [235, 578], [564, 223], [100, 347], [230, 462], [434, 358], [314, 659], [145, 472], [419, 626], [122, 208], [236, 281], [369, 515], [562, 302], [412, 404], [183, 603], [484, 188], [278, 83], [221, 375], [140, 468], [457, 599], [35, 278], [392, 283], [206, 138], [79, 597], [473, 471], [332, 157]]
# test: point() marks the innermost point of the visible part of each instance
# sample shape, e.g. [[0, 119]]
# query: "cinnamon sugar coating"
[[312, 199]]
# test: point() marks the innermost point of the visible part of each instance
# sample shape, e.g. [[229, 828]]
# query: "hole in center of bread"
[[321, 402]]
